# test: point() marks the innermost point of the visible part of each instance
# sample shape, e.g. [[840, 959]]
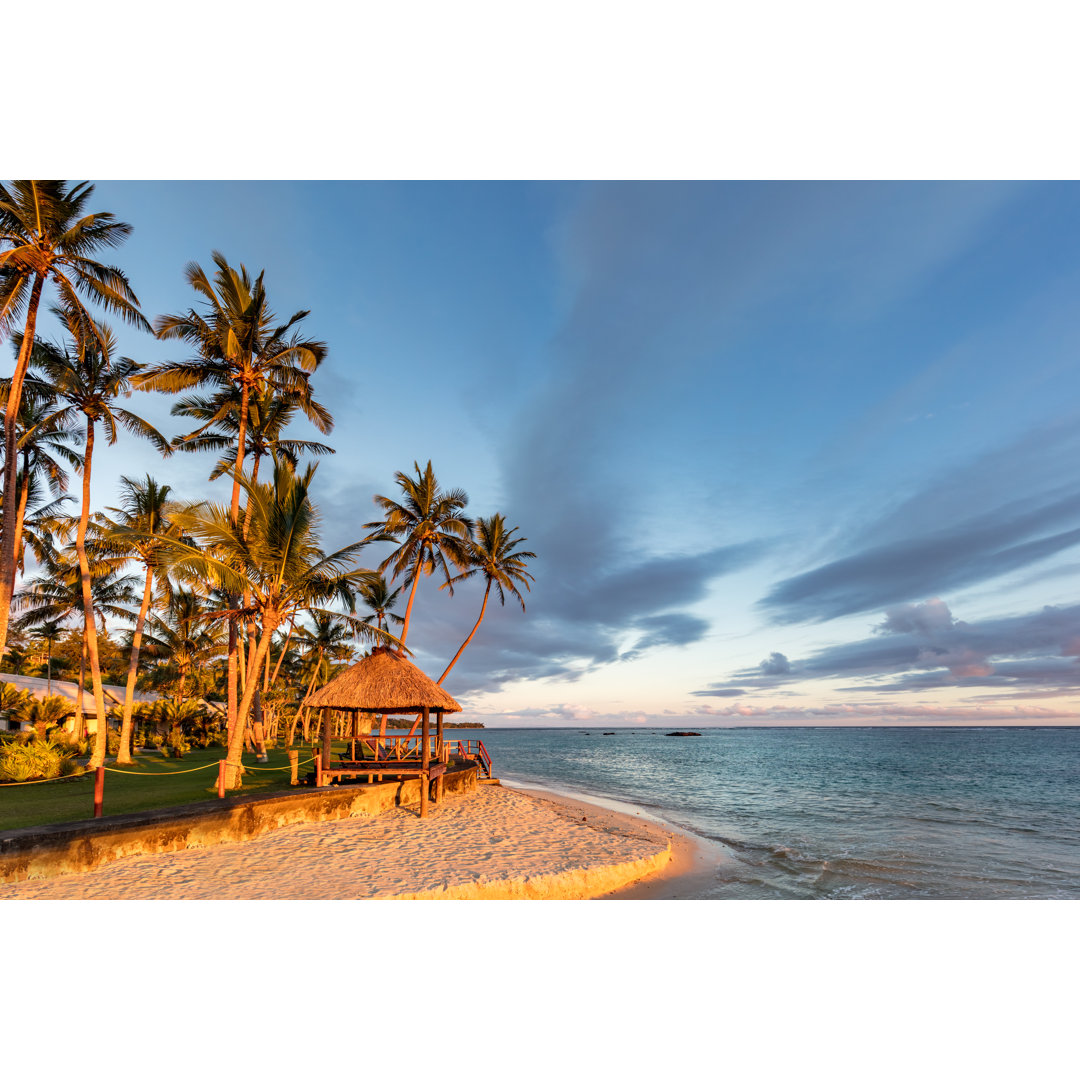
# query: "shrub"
[[36, 760]]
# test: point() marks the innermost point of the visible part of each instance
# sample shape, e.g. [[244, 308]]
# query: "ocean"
[[839, 813]]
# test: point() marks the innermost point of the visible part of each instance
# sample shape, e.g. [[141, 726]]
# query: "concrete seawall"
[[77, 846]]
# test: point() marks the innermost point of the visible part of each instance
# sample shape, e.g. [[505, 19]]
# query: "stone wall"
[[77, 846]]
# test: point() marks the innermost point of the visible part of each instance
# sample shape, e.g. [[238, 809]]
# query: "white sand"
[[495, 843]]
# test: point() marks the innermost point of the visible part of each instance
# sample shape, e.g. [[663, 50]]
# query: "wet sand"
[[497, 843]]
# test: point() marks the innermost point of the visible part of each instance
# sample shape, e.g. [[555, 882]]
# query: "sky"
[[789, 452]]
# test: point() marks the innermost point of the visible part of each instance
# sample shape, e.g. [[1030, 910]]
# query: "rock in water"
[[682, 733]]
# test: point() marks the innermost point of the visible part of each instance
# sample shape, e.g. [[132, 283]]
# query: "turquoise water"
[[817, 813]]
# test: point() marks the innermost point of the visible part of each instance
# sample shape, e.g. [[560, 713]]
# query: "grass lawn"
[[148, 784]]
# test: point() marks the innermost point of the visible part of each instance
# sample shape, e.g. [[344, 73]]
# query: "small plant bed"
[[150, 783]]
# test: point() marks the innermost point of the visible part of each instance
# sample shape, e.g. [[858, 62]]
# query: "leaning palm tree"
[[88, 379], [494, 556], [47, 235], [135, 531], [277, 562], [428, 527]]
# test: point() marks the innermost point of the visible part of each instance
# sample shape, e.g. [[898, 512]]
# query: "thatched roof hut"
[[384, 682]]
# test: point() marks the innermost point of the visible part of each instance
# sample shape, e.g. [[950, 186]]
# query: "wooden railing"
[[474, 749]]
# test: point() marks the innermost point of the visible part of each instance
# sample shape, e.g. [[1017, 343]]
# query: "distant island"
[[682, 732], [407, 722]]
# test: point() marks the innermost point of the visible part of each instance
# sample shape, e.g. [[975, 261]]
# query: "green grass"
[[150, 783]]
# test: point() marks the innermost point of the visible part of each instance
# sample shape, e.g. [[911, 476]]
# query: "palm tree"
[[46, 235], [278, 563], [238, 348], [140, 521], [268, 415], [378, 597], [328, 642], [186, 634], [50, 633], [428, 526], [39, 444], [493, 555], [57, 594], [88, 380]]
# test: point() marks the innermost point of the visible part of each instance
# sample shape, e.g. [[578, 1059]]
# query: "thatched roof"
[[384, 682]]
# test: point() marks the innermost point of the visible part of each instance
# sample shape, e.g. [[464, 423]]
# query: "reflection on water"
[[891, 813]]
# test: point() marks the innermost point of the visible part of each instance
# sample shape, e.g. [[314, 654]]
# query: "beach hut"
[[385, 682]]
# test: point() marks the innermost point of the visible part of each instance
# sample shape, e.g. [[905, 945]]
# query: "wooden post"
[[425, 760], [318, 770], [294, 764], [99, 789], [327, 735], [439, 753], [221, 779]]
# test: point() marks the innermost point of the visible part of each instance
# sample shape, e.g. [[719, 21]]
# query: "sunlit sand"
[[495, 843]]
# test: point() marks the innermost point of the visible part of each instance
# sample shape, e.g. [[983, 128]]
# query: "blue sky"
[[788, 452]]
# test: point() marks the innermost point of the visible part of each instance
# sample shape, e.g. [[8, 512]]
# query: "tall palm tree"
[[238, 347], [494, 556], [135, 531], [428, 527], [46, 235], [88, 379], [278, 563]]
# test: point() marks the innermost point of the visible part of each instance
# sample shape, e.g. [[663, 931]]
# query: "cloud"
[[956, 532], [777, 664], [923, 646]]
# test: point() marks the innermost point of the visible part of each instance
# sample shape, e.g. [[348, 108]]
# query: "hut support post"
[[440, 756], [327, 734], [425, 760]]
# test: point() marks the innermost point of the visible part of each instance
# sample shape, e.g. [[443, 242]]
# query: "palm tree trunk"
[[101, 736], [236, 740], [123, 757], [50, 668], [11, 461], [20, 516], [80, 723], [234, 513], [284, 650], [457, 655], [412, 597]]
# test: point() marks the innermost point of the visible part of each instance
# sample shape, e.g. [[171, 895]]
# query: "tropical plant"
[[88, 378], [278, 563], [428, 527], [493, 555], [47, 235], [377, 596]]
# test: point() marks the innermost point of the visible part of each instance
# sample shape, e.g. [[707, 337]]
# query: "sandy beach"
[[497, 843]]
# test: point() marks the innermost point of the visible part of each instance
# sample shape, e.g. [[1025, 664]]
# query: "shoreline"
[[693, 863]]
